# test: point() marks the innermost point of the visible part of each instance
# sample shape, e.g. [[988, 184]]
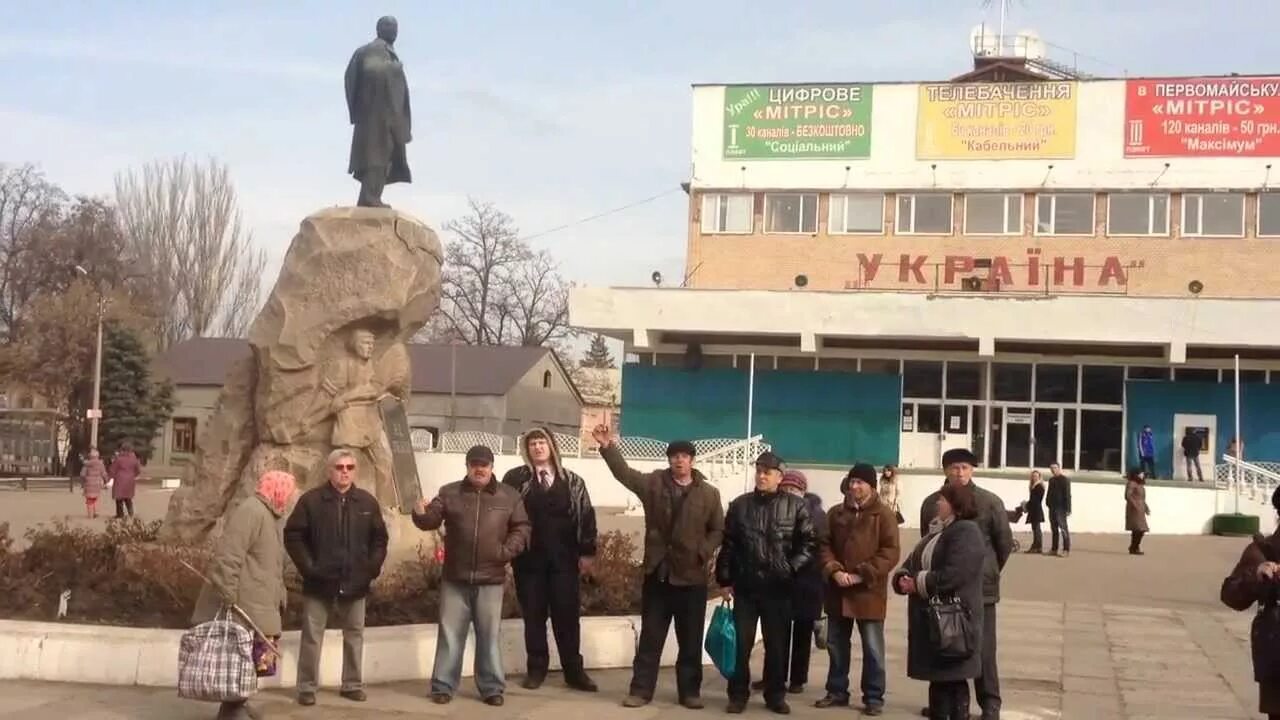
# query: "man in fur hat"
[[563, 546]]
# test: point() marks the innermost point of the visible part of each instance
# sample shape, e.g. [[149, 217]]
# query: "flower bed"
[[123, 576]]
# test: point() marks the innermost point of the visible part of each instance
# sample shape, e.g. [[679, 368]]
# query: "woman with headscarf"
[[1135, 509], [247, 571], [946, 565], [93, 477], [1256, 580]]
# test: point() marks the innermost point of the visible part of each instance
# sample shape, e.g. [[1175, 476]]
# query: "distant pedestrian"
[[856, 554], [1058, 499], [1034, 507], [247, 571], [948, 564], [124, 472], [1256, 580], [1191, 447], [1135, 509], [93, 477], [888, 491], [1147, 451], [485, 529]]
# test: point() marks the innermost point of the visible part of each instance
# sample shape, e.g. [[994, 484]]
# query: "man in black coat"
[[337, 539], [993, 521], [1058, 500], [562, 550], [769, 540]]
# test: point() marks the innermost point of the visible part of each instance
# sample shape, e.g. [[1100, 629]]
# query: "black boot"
[[579, 680], [534, 675]]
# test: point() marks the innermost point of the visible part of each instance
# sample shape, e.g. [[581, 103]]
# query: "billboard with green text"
[[797, 122]]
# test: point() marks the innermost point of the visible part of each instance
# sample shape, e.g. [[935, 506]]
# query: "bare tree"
[[496, 290], [183, 227], [28, 205]]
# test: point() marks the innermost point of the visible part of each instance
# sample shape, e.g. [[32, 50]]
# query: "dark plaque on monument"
[[404, 466]]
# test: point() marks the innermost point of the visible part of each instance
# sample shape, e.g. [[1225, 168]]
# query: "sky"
[[554, 112]]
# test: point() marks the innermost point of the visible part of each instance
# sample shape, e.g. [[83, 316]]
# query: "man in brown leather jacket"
[[485, 529]]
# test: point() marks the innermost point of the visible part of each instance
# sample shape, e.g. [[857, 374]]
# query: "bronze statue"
[[378, 102]]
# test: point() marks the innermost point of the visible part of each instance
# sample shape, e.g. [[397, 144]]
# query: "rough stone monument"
[[329, 355]]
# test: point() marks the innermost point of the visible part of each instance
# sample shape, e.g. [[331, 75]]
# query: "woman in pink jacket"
[[124, 472], [93, 477]]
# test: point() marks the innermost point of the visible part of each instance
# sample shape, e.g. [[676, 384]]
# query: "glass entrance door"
[[1017, 437], [1045, 436]]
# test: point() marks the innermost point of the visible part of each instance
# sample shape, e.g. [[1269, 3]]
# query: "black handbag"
[[950, 629]]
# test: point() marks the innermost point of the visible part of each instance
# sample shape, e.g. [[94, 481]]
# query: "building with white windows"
[[1029, 263]]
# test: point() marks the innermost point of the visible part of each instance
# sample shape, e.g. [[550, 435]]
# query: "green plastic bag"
[[722, 640]]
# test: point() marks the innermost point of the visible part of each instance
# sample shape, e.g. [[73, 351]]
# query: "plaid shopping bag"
[[215, 662]]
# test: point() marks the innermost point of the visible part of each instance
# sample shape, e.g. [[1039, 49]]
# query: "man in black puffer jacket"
[[769, 539]]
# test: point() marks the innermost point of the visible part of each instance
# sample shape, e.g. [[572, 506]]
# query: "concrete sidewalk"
[[1075, 661]]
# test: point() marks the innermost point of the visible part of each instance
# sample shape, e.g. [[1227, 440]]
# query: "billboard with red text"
[[1202, 117]]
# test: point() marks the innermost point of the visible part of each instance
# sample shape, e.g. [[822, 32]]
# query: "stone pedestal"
[[355, 286]]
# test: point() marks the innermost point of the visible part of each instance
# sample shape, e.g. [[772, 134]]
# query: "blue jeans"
[[461, 607], [839, 648]]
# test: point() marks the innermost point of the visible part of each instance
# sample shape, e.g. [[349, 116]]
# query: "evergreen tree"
[[598, 355], [133, 406]]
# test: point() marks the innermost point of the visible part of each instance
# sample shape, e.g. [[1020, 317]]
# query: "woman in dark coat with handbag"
[[1256, 579], [946, 565], [1035, 512]]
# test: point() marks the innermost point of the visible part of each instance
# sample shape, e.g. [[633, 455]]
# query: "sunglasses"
[[345, 466]]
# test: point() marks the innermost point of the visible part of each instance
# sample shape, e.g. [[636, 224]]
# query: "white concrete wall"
[[1096, 507], [57, 652], [1099, 160]]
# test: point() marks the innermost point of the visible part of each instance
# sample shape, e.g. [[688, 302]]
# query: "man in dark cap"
[[993, 521], [485, 529], [769, 539], [683, 524], [857, 554]]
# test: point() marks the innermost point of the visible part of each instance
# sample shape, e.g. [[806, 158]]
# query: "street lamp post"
[[96, 413]]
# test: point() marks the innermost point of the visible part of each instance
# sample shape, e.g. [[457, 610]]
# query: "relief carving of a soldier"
[[354, 389]]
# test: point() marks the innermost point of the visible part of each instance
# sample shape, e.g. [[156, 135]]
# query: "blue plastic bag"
[[722, 640]]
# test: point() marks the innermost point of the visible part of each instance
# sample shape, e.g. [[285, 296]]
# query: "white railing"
[[1257, 479], [460, 442]]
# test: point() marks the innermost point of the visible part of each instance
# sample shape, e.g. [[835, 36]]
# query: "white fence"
[[1257, 479]]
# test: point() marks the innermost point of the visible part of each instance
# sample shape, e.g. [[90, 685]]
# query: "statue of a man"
[[354, 393], [378, 102]]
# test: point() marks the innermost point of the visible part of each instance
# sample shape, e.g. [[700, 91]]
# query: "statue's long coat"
[[378, 102]]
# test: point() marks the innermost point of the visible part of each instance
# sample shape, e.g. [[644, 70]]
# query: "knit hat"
[[861, 471], [795, 479]]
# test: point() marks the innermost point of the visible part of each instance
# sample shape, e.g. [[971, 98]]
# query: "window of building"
[[1268, 214], [928, 214], [862, 213], [1246, 376], [1011, 381], [921, 379], [1137, 214], [26, 402], [838, 364], [1102, 384], [880, 366], [791, 213], [1055, 383], [964, 380], [184, 435], [1213, 215], [1195, 375], [1148, 373], [993, 214], [795, 362], [717, 361], [928, 418], [546, 378], [1064, 214], [1101, 435], [727, 213]]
